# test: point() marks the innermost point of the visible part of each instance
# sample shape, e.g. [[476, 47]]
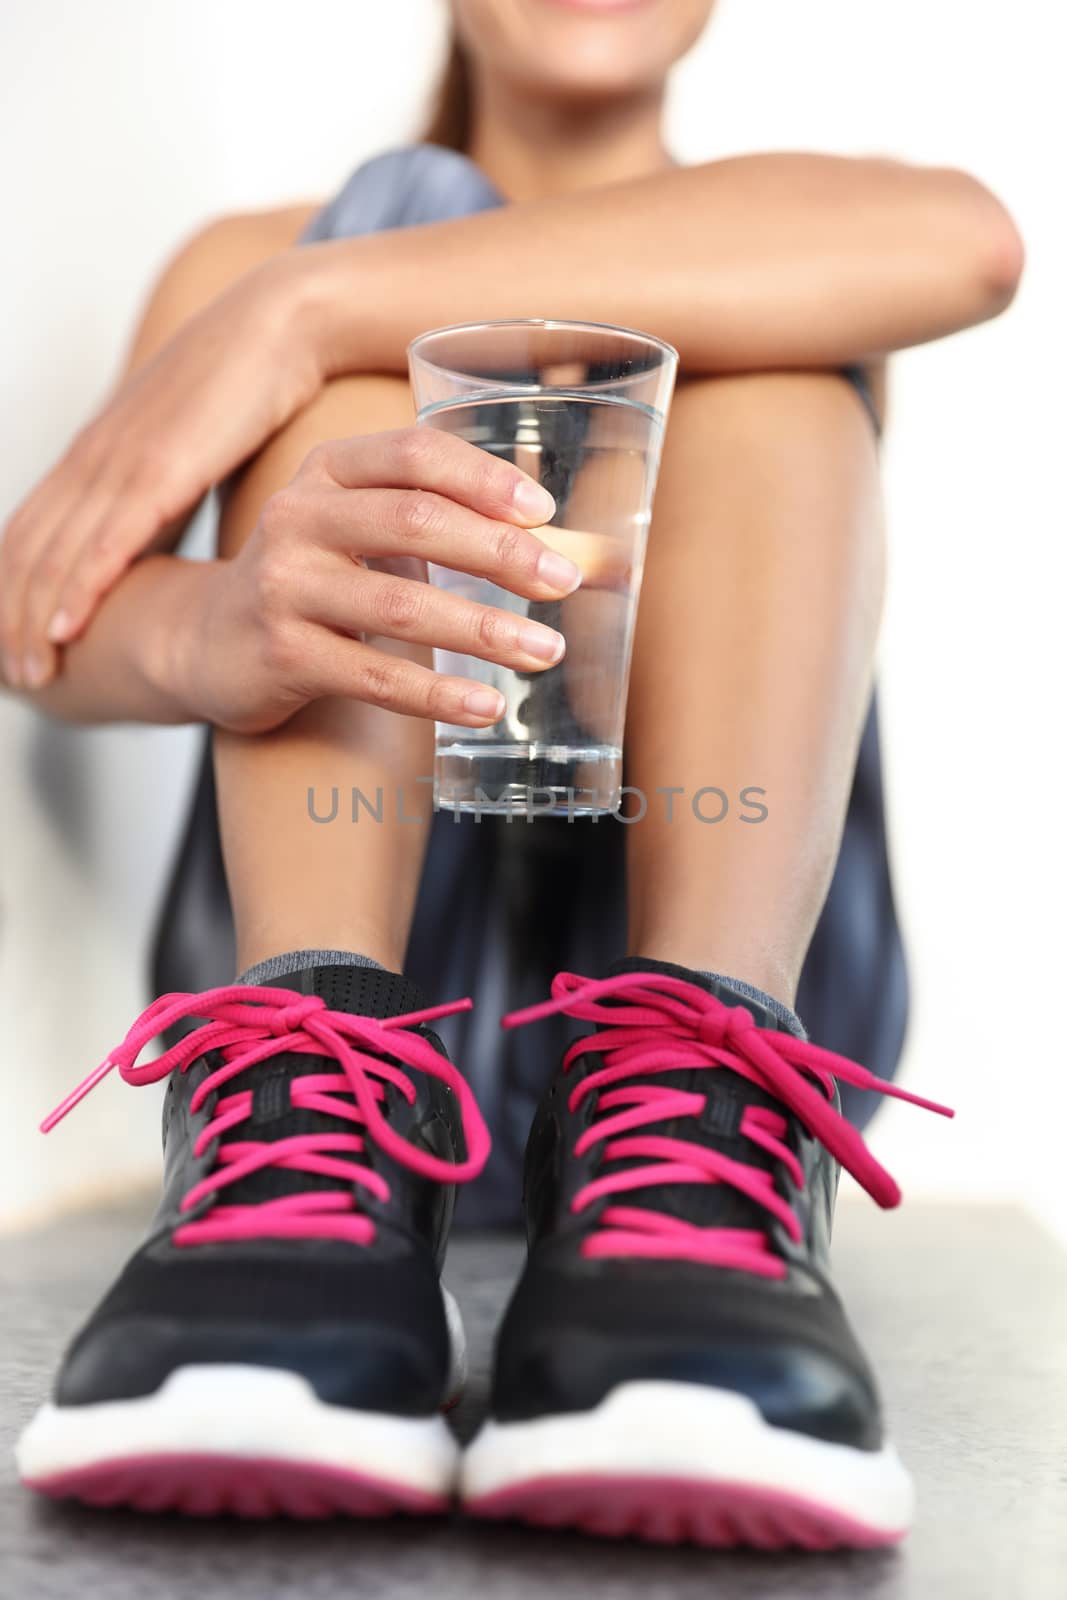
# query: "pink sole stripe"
[[239, 1486], [680, 1511]]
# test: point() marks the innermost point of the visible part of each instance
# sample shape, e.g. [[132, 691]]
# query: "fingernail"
[[34, 671], [59, 627], [558, 573], [484, 703], [533, 501], [544, 644]]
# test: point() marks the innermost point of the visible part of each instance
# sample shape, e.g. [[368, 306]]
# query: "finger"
[[92, 557], [335, 666], [25, 536], [380, 523], [427, 458], [417, 613], [15, 555], [23, 666], [30, 560], [75, 546]]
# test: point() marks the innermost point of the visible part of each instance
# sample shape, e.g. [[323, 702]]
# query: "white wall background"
[[124, 124]]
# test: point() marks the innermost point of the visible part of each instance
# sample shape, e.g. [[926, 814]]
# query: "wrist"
[[345, 299], [317, 299], [171, 649]]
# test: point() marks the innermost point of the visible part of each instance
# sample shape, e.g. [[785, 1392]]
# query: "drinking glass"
[[581, 407]]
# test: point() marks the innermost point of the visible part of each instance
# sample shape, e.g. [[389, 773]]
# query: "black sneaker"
[[674, 1363], [281, 1342]]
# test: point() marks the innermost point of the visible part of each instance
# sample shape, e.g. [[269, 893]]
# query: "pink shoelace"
[[278, 1021], [665, 1024]]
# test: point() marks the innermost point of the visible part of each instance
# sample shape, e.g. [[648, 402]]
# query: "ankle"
[[757, 969], [265, 943]]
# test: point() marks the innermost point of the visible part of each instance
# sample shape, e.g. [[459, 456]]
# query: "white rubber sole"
[[673, 1461], [250, 1440]]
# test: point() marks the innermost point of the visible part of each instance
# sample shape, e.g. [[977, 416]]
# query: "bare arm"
[[753, 263], [245, 641], [759, 262], [120, 669]]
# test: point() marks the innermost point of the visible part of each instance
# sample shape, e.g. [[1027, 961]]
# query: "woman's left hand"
[[223, 384]]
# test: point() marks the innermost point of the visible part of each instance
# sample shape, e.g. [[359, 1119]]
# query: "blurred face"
[[578, 49]]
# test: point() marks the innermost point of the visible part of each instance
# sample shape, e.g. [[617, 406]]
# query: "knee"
[[792, 417], [768, 399], [345, 406]]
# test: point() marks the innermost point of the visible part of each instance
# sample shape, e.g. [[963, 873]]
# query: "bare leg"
[[752, 667], [296, 883]]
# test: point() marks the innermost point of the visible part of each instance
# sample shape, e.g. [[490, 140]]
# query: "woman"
[[675, 1361]]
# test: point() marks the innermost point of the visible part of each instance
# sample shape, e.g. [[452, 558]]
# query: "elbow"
[[1003, 257], [994, 249]]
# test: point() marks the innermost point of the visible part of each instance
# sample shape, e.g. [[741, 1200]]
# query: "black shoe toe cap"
[[366, 1334], [569, 1340]]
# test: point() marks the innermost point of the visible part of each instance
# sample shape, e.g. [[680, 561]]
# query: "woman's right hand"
[[289, 619]]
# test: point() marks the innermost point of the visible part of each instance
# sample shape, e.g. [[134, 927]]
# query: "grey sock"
[[748, 991], [300, 960]]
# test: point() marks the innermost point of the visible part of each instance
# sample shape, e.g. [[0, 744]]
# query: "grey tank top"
[[420, 183]]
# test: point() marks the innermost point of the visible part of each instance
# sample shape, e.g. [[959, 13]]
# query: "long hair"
[[450, 116]]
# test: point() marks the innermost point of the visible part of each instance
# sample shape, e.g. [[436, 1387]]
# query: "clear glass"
[[582, 408]]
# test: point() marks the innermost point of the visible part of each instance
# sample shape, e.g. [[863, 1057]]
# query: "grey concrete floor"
[[964, 1311]]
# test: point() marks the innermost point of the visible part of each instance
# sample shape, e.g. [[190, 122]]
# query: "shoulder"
[[208, 262], [228, 246], [397, 188]]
